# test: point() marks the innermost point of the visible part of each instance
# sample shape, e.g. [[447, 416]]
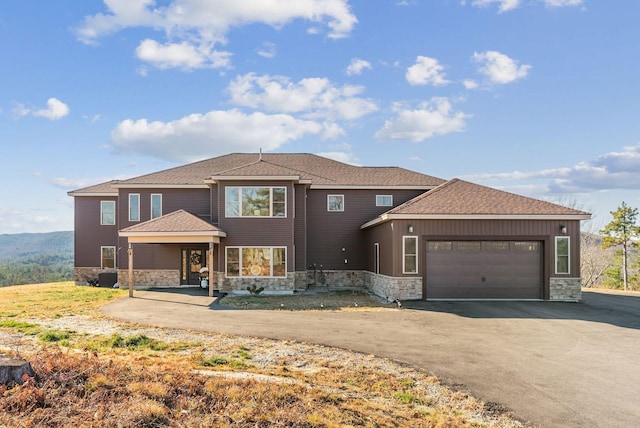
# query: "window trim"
[[102, 248], [239, 202], [405, 239], [379, 204], [151, 205], [102, 204], [376, 258], [329, 205], [138, 206], [241, 247], [568, 255]]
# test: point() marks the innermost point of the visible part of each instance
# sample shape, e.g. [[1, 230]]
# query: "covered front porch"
[[172, 250]]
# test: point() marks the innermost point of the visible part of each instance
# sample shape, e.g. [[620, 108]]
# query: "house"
[[287, 222]]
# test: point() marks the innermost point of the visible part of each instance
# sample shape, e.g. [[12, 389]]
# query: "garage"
[[484, 269]]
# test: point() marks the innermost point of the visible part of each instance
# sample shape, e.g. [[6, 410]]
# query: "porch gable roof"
[[177, 226]]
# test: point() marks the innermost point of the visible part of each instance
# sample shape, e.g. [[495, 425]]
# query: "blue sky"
[[537, 97]]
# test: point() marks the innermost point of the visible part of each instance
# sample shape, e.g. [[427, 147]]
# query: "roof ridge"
[[421, 196], [299, 170]]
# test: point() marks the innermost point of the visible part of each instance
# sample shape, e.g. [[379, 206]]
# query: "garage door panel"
[[492, 270]]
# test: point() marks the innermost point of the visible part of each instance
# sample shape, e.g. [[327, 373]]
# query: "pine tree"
[[621, 231]]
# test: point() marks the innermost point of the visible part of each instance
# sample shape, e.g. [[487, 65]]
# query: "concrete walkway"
[[553, 364]]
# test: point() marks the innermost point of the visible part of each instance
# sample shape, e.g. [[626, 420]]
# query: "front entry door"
[[193, 259]]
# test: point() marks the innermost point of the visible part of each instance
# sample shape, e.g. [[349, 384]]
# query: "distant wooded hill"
[[27, 258]]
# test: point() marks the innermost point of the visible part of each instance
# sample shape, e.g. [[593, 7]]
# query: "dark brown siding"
[[329, 232], [383, 235], [152, 256], [214, 205], [300, 228], [89, 235], [259, 231], [195, 201]]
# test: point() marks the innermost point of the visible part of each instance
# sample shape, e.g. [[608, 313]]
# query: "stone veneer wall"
[[80, 274], [283, 285], [565, 289], [336, 278], [392, 287], [143, 278]]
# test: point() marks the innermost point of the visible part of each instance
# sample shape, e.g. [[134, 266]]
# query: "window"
[[108, 257], [256, 261], [335, 202], [439, 246], [468, 246], [562, 254], [496, 245], [108, 213], [384, 200], [134, 207], [527, 246], [410, 254], [376, 258], [255, 201], [156, 205]]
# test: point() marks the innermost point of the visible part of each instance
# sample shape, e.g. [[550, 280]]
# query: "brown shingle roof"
[[105, 188], [459, 197], [179, 221], [320, 170]]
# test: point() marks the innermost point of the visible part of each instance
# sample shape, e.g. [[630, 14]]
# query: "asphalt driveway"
[[553, 364]]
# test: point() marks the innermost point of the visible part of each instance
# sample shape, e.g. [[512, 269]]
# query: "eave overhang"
[[160, 186], [173, 237], [368, 187], [389, 217], [94, 194], [294, 178]]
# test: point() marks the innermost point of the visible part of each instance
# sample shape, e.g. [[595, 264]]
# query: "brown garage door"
[[484, 269]]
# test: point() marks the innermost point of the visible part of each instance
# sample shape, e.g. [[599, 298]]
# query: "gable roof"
[[177, 226], [305, 167], [179, 221], [102, 189], [459, 199]]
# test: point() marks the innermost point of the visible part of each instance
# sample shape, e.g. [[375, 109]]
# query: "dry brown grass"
[[152, 378], [320, 300]]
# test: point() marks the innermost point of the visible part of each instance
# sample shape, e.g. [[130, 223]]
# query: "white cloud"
[[507, 5], [193, 27], [345, 157], [312, 97], [432, 118], [55, 110], [503, 5], [182, 55], [357, 65], [610, 171], [563, 3], [470, 84], [426, 71], [499, 68], [267, 50], [200, 136]]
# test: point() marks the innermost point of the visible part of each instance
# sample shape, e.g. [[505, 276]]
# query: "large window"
[[256, 261], [156, 205], [108, 257], [409, 254], [562, 254], [134, 207], [108, 213], [256, 202], [335, 202]]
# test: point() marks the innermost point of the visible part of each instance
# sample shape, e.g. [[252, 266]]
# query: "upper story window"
[[108, 213], [256, 201], [335, 202], [384, 200], [562, 254], [156, 205], [134, 207]]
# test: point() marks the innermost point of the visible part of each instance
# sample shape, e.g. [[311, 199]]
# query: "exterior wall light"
[[410, 229], [563, 228]]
